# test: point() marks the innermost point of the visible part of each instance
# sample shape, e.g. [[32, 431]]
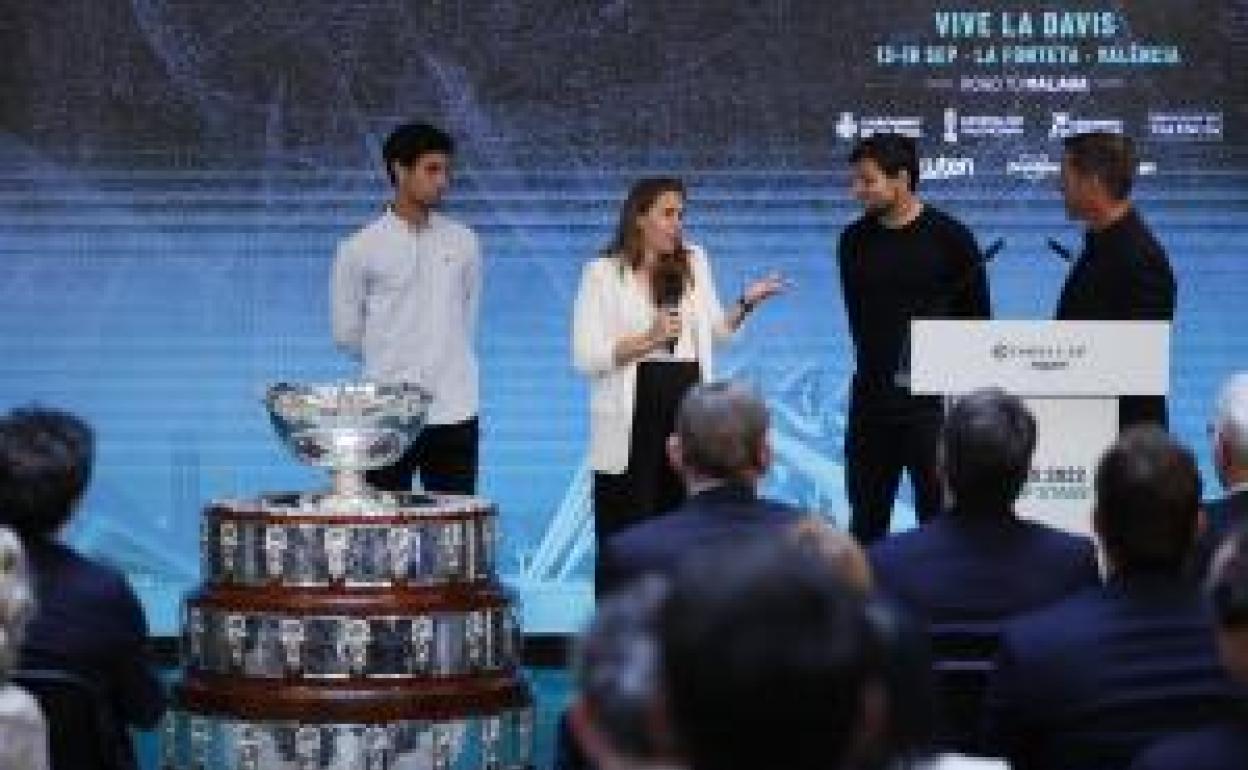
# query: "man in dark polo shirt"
[[1123, 273]]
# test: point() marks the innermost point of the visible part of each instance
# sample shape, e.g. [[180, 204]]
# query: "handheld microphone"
[[671, 287], [1061, 251]]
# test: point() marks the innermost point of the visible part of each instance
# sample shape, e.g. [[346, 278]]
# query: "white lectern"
[[1069, 372]]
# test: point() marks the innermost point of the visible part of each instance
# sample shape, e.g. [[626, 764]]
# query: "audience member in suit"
[[615, 715], [770, 659], [907, 675], [721, 452], [23, 732], [980, 561], [1222, 746], [1092, 680], [1230, 459], [88, 621], [1123, 273]]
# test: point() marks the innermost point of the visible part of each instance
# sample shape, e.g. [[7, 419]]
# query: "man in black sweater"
[[900, 261], [1123, 273]]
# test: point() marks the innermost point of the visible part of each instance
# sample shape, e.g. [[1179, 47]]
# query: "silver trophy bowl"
[[348, 428]]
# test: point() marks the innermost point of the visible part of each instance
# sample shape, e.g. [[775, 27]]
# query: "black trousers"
[[648, 487], [445, 455], [890, 431]]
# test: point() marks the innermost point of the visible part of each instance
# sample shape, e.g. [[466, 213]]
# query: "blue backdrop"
[[176, 173]]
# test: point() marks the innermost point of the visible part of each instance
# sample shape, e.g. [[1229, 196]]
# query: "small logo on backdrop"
[[1033, 167], [942, 167], [1186, 126], [1066, 124], [851, 126], [958, 126]]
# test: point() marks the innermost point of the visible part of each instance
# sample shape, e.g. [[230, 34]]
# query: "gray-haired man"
[[1229, 430], [721, 452]]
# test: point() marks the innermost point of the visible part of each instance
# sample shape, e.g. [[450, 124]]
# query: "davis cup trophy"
[[350, 629], [348, 429]]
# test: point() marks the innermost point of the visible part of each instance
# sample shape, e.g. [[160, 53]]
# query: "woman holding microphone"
[[646, 320]]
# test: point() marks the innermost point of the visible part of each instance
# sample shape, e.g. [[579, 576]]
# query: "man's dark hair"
[[767, 658], [1105, 156], [617, 667], [410, 141], [987, 445], [1147, 501], [46, 458], [721, 427], [1228, 581], [893, 153]]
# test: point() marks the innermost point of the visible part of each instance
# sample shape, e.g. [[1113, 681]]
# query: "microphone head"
[[671, 287], [1061, 251]]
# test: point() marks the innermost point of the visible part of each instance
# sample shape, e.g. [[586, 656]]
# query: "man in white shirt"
[[405, 296]]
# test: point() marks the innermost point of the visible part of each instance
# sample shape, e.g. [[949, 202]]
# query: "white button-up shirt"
[[405, 301]]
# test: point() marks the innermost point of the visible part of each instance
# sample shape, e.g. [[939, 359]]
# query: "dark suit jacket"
[[960, 568], [1123, 274], [724, 515], [1091, 681], [88, 621], [1223, 746]]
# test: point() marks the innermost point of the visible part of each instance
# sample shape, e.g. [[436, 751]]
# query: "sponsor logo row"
[[956, 126], [1030, 166]]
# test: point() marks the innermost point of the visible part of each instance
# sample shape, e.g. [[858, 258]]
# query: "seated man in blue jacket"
[[980, 562], [1223, 745], [88, 620], [721, 453], [1095, 678]]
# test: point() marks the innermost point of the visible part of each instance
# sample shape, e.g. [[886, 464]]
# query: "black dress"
[[649, 486]]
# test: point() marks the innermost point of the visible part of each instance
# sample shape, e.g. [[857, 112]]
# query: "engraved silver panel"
[[269, 645], [491, 741], [422, 552]]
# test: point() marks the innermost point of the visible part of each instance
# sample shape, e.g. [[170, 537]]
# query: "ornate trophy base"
[[477, 725], [350, 630]]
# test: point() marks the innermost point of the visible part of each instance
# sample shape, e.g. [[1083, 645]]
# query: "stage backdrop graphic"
[[176, 174]]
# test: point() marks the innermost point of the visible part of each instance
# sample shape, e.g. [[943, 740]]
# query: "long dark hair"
[[626, 245]]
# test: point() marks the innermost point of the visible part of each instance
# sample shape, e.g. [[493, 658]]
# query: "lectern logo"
[[1044, 358]]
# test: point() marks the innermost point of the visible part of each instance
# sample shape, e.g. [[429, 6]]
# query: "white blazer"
[[612, 303]]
